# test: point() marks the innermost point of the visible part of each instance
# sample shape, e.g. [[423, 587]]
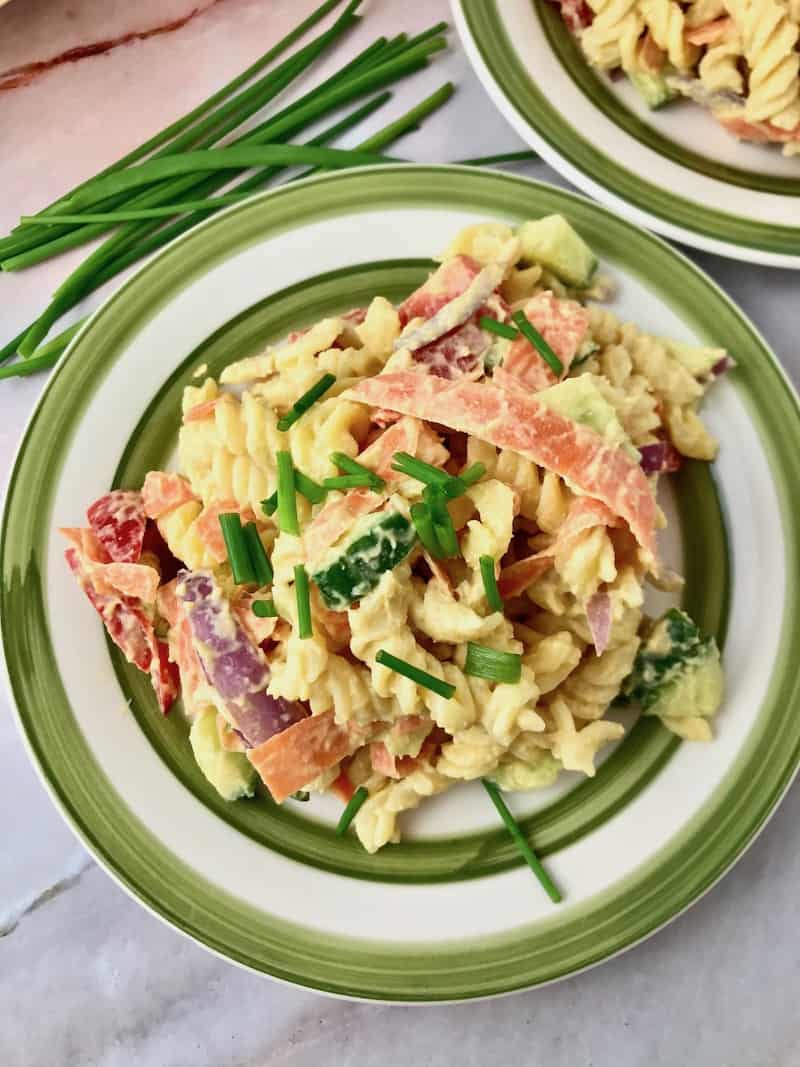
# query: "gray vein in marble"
[[13, 916]]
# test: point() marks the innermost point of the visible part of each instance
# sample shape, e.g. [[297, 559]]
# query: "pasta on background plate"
[[739, 58], [407, 548]]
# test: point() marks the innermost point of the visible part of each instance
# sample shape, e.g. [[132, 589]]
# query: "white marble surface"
[[89, 978]]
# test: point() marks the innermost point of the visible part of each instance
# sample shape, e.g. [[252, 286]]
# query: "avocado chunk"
[[653, 88], [351, 571], [231, 773], [554, 244], [677, 673], [579, 399]]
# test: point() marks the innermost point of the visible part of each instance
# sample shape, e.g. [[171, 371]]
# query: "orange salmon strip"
[[523, 424]]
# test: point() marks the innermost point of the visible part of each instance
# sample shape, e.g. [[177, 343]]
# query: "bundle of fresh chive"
[[163, 187]]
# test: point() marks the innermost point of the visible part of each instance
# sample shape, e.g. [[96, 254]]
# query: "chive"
[[493, 597], [352, 809], [473, 473], [408, 670], [287, 502], [301, 794], [136, 214], [351, 466], [423, 524], [417, 468], [307, 487], [236, 547], [207, 105], [348, 481], [502, 329], [264, 609], [58, 343], [457, 485], [528, 330], [44, 357], [310, 397], [521, 842], [270, 505], [248, 102], [492, 664], [136, 240], [442, 523], [505, 157], [211, 159], [259, 562], [303, 598], [23, 367]]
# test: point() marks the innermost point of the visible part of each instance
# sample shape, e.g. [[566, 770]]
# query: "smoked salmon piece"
[[445, 284], [563, 324], [523, 424], [584, 514], [162, 491], [407, 435], [710, 32], [299, 754]]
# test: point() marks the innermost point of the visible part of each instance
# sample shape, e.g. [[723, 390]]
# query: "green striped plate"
[[674, 170], [451, 913]]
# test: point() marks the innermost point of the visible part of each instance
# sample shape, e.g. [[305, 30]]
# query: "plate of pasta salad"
[[379, 575], [684, 116]]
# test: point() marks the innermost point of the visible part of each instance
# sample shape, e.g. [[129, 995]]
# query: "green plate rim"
[[533, 115], [539, 952]]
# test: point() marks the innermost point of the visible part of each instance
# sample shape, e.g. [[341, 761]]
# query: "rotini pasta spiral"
[[376, 822]]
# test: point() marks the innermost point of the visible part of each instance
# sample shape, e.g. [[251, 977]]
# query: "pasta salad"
[[407, 548], [739, 58]]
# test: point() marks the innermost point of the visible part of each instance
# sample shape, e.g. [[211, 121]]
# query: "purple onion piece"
[[659, 457], [598, 615], [234, 666], [721, 366]]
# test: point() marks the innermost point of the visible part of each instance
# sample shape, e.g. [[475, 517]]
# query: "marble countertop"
[[87, 977]]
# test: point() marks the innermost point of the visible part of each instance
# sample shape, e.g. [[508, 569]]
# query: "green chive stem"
[[351, 466], [287, 501], [270, 505], [493, 598], [309, 397], [493, 664], [502, 329], [521, 841], [423, 524], [348, 481], [529, 331], [259, 561], [415, 674], [264, 609], [303, 598], [307, 487], [352, 809], [236, 547]]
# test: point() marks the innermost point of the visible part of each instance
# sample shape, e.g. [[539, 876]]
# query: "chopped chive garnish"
[[528, 330], [348, 481], [303, 403], [473, 474], [236, 547], [521, 842], [307, 487], [259, 563], [502, 329], [303, 598], [408, 670], [287, 503], [492, 664], [417, 468], [270, 505], [442, 523], [423, 524], [351, 466], [493, 597], [301, 794], [352, 809], [265, 609]]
